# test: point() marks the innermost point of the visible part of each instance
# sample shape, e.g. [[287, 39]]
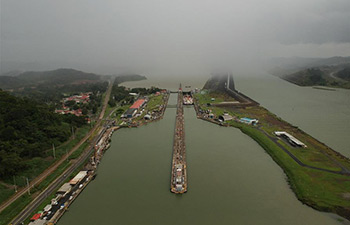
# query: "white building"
[[291, 139]]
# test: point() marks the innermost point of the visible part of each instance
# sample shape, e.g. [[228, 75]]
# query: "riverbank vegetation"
[[321, 179]]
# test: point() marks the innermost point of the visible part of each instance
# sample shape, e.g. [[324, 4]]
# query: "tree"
[[69, 103], [111, 103]]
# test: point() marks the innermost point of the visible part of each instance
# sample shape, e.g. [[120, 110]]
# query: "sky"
[[168, 37]]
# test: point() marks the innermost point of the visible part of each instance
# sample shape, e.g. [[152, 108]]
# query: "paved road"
[[332, 74], [58, 163]]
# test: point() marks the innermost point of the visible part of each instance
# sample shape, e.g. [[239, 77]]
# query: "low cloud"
[[158, 36]]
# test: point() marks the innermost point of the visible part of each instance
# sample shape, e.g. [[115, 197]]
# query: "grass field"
[[5, 192], [218, 97], [154, 102], [12, 210], [108, 110], [322, 190]]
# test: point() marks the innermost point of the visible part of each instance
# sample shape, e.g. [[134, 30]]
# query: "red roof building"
[[138, 104]]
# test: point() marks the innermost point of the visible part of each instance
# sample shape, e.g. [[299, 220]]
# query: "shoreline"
[[344, 212], [105, 136]]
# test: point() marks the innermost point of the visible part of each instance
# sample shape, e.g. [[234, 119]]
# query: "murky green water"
[[231, 181]]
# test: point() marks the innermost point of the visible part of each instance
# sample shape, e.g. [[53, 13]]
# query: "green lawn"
[[218, 97], [108, 110], [5, 192], [12, 210], [154, 102]]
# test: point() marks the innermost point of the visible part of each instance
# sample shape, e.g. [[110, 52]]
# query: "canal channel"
[[231, 180]]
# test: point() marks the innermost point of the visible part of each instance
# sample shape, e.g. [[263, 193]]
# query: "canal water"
[[231, 180], [323, 114]]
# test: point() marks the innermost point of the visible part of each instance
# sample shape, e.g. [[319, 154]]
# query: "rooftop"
[[137, 104], [292, 138]]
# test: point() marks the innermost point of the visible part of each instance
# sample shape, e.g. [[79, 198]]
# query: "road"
[[48, 171], [335, 77]]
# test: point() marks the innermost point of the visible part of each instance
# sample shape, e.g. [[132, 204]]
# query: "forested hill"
[[27, 129], [53, 77], [331, 72]]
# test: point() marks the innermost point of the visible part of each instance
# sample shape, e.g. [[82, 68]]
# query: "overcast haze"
[[168, 37]]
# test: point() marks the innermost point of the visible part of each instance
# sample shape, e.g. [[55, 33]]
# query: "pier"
[[179, 166]]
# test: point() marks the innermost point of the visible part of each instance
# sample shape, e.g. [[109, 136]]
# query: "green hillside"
[[27, 130], [53, 77]]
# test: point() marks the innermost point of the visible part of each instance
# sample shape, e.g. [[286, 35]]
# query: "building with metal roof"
[[225, 117], [81, 175], [291, 139], [249, 121], [66, 188]]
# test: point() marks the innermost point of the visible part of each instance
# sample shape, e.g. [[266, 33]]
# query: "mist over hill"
[[331, 72], [53, 77]]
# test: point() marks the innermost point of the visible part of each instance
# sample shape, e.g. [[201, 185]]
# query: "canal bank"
[[233, 181]]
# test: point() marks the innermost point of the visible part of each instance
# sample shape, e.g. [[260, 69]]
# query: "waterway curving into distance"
[[231, 180]]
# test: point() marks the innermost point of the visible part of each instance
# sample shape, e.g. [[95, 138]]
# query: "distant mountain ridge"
[[331, 72], [53, 77], [298, 63]]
